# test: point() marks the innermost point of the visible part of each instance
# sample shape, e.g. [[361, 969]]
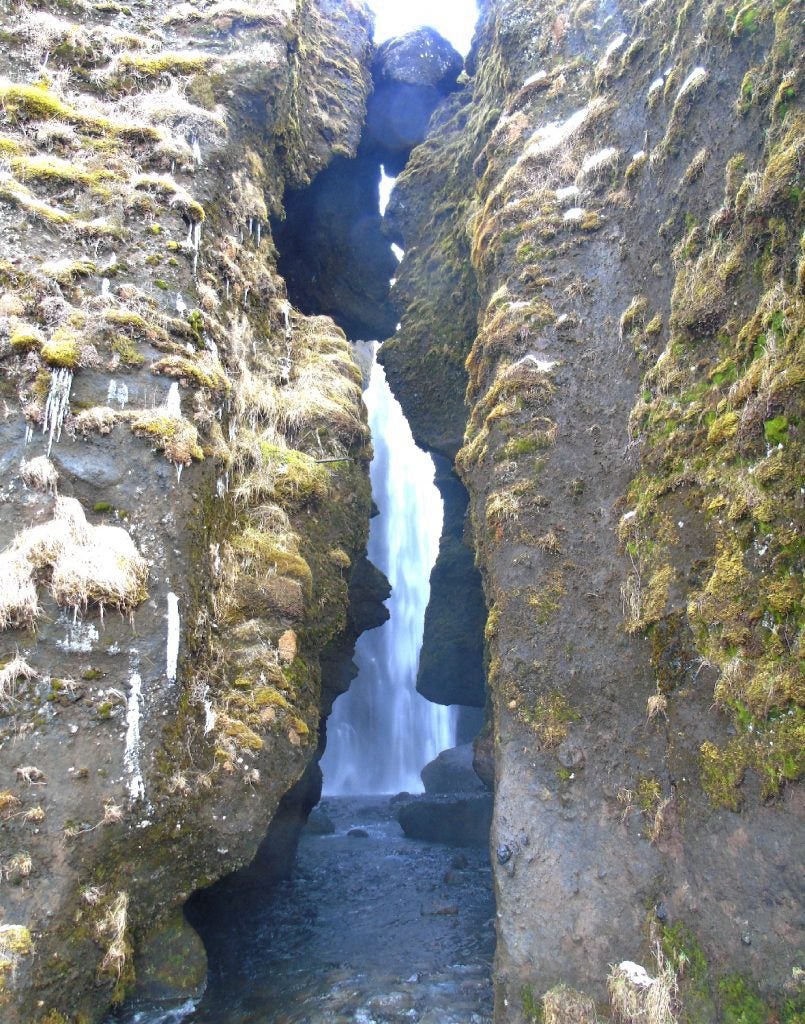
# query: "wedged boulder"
[[422, 57], [452, 772], [411, 74], [455, 820]]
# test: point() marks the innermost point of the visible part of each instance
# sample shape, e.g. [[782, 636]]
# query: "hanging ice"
[[57, 404], [173, 402], [172, 653], [131, 757]]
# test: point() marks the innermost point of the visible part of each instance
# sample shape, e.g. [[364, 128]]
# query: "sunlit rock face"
[[597, 256], [178, 553]]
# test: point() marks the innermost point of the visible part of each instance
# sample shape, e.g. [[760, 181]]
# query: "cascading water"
[[382, 732]]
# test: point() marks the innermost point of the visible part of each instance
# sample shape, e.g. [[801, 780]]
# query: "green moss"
[[262, 554], [295, 477], [532, 1006], [550, 717], [649, 794], [775, 430], [243, 736], [740, 1003], [25, 338], [127, 350], [162, 284], [62, 349]]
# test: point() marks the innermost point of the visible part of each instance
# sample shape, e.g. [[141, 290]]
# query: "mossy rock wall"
[[154, 371], [604, 251]]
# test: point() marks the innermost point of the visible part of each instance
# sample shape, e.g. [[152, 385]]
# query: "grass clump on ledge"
[[174, 436], [87, 565], [38, 103], [205, 371], [169, 62]]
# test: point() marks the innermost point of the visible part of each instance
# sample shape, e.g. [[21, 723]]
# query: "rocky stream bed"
[[373, 927]]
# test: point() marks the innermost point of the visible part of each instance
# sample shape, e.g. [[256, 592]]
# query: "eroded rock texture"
[[601, 308], [184, 482]]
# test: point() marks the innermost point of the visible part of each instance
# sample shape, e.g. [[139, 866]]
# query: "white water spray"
[[382, 732]]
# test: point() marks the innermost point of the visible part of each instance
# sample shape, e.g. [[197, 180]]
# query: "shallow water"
[[375, 929]]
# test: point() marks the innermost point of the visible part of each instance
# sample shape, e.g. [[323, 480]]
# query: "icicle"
[[118, 391], [259, 229], [210, 716], [105, 288], [131, 757], [173, 402], [173, 637], [57, 405], [251, 226], [29, 433], [197, 153], [227, 289], [181, 305]]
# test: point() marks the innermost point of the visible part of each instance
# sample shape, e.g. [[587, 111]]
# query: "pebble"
[[503, 853]]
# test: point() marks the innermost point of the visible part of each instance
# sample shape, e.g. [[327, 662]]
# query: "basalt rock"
[[183, 473], [452, 772], [602, 235], [454, 819]]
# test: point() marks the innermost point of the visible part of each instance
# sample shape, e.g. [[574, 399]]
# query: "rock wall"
[[602, 309], [183, 471]]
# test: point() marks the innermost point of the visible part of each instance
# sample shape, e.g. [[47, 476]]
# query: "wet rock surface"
[[366, 930], [452, 818], [452, 772], [581, 229]]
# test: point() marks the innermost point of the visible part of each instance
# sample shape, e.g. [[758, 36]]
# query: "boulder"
[[422, 57], [456, 820], [452, 772], [411, 74]]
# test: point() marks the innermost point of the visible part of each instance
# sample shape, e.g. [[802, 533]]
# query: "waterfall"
[[382, 732]]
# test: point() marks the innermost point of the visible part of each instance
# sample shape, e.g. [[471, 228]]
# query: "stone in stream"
[[462, 820], [452, 772], [319, 823]]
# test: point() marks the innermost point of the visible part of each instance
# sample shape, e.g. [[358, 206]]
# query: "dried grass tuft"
[[637, 998], [10, 673], [563, 1005], [88, 564], [40, 473], [113, 926]]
